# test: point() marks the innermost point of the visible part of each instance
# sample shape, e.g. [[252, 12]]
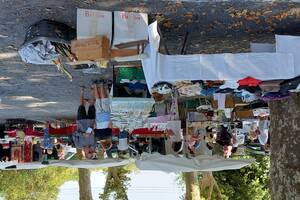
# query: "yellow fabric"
[[20, 134]]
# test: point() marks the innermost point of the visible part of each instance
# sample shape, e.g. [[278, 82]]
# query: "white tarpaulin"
[[264, 66], [92, 23], [21, 166], [289, 44], [89, 164], [170, 163], [130, 26]]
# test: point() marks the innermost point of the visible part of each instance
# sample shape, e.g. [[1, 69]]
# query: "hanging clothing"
[[224, 137], [263, 137], [2, 129], [48, 144], [239, 139], [221, 98], [123, 141], [249, 81], [161, 108], [175, 126]]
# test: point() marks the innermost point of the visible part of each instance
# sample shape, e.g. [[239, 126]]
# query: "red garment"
[[249, 81], [69, 130], [30, 132], [12, 133], [115, 131], [27, 152], [146, 131]]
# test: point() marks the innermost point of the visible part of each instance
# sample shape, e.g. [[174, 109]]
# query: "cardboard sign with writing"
[[130, 26], [92, 23]]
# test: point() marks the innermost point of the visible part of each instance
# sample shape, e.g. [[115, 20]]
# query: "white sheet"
[[22, 166], [170, 163], [264, 66], [289, 44], [89, 164]]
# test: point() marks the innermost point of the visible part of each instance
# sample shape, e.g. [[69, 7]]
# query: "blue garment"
[[102, 120], [48, 144], [103, 116], [137, 85], [209, 91], [123, 134]]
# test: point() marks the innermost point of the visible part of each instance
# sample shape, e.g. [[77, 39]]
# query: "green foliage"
[[41, 184], [117, 183], [248, 183]]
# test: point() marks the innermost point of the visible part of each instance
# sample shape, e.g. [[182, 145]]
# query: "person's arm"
[[110, 125]]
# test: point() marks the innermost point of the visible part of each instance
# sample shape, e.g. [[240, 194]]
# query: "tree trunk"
[[285, 148], [85, 192], [191, 186]]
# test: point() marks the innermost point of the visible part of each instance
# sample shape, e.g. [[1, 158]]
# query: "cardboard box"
[[244, 114], [96, 48]]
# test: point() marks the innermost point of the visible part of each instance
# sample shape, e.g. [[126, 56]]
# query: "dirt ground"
[[41, 92]]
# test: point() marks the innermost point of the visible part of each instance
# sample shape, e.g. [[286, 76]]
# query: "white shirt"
[[263, 127], [263, 124], [123, 144], [240, 139], [175, 126], [263, 137]]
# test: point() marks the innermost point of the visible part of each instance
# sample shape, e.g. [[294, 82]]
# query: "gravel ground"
[[41, 92]]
